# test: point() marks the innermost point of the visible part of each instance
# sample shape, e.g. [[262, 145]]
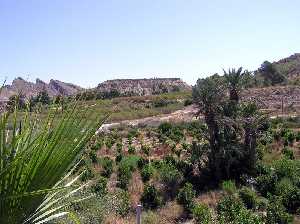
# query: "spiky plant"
[[36, 162]]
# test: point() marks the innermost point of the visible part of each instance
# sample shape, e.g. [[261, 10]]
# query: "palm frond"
[[35, 157]]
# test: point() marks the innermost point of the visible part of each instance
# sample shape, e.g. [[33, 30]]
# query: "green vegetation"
[[233, 165], [36, 161]]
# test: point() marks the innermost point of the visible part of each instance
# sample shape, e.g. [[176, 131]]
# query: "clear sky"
[[88, 41]]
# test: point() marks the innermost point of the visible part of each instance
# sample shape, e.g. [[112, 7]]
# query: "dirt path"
[[183, 115]]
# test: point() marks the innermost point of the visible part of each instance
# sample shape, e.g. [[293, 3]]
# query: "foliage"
[[147, 172], [288, 152], [202, 214], [124, 203], [271, 75], [276, 213], [229, 187], [232, 127], [249, 197], [93, 156], [100, 187], [150, 197], [131, 149], [87, 174], [170, 177], [150, 217], [35, 158], [231, 210], [186, 197], [107, 165]]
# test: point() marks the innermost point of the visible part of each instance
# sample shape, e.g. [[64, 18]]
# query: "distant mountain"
[[143, 86], [53, 88]]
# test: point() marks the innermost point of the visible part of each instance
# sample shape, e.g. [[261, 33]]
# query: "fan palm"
[[36, 161]]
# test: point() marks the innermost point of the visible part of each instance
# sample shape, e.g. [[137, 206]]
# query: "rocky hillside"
[[289, 66], [143, 86], [54, 88]]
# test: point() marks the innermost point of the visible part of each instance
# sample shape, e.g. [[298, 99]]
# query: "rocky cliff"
[[143, 86], [54, 88]]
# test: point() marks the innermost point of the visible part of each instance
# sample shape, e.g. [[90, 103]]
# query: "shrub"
[[186, 196], [147, 172], [131, 149], [107, 165], [145, 149], [202, 214], [150, 217], [165, 128], [245, 216], [141, 163], [119, 147], [229, 187], [124, 175], [170, 177], [97, 145], [87, 175], [266, 183], [276, 213], [100, 187], [289, 193], [288, 153], [228, 208], [248, 197], [123, 206], [150, 197], [119, 157], [93, 156]]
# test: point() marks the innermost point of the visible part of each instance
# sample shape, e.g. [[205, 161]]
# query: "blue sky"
[[87, 42]]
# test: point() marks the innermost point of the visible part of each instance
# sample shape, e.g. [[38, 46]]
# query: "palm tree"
[[36, 162], [234, 80]]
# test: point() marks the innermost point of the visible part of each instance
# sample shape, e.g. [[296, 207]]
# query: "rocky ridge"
[[28, 89], [143, 86]]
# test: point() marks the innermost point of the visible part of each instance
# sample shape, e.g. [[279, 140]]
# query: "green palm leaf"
[[36, 161]]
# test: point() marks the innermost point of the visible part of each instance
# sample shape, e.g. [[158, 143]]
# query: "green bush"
[[87, 175], [107, 165], [147, 172], [186, 197], [141, 163], [93, 156], [124, 175], [290, 194], [100, 187], [276, 213], [150, 217], [229, 187], [288, 153], [165, 128], [202, 214], [119, 147], [119, 157], [248, 197], [123, 206], [131, 149], [170, 177], [228, 208], [150, 197]]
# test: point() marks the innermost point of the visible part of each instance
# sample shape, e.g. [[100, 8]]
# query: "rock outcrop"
[[53, 88], [142, 87]]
